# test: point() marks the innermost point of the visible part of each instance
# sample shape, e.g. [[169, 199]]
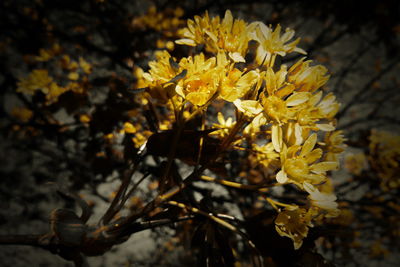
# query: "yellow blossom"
[[333, 145], [299, 164], [265, 154], [54, 91], [201, 81], [224, 125], [293, 222], [384, 150], [165, 21], [316, 113], [307, 78], [129, 128], [73, 76], [355, 163], [38, 79], [22, 114], [47, 54], [86, 66], [234, 83], [271, 42], [230, 35], [84, 118], [323, 201]]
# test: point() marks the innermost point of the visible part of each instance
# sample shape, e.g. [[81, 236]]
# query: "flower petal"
[[276, 136], [309, 144], [323, 167], [325, 127], [297, 99], [249, 107], [281, 177], [186, 41], [236, 57]]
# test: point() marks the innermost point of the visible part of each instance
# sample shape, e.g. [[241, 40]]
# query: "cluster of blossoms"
[[384, 156], [39, 80], [166, 22], [281, 110]]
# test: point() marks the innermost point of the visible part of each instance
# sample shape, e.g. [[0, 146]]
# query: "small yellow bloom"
[[355, 163], [334, 145], [236, 84], [38, 79], [307, 78], [86, 67], [129, 128], [384, 153], [302, 167], [324, 201], [54, 91], [84, 118], [293, 222], [271, 42], [230, 35], [22, 114], [223, 124], [73, 76]]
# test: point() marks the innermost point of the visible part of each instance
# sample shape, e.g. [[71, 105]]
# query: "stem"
[[234, 184], [25, 240], [171, 155]]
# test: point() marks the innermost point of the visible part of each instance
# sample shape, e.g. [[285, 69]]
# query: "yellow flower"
[[302, 167], [129, 128], [276, 108], [223, 125], [306, 78], [54, 91], [355, 163], [86, 66], [194, 78], [201, 81], [85, 118], [384, 150], [293, 222], [271, 42], [323, 201], [228, 35], [161, 71], [265, 154], [22, 114], [294, 134], [38, 79], [234, 83], [333, 145], [166, 21], [47, 54], [377, 250], [253, 129], [73, 76], [316, 113], [276, 82]]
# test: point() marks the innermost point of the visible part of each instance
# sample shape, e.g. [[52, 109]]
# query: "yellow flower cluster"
[[280, 110], [40, 80], [197, 79], [384, 155], [165, 21]]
